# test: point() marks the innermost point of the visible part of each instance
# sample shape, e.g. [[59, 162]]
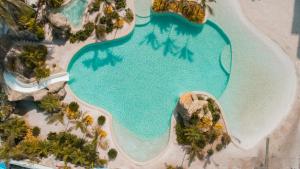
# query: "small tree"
[[50, 103], [74, 106], [36, 131], [112, 154], [101, 120]]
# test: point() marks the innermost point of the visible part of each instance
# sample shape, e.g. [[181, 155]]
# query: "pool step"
[[226, 59], [142, 20]]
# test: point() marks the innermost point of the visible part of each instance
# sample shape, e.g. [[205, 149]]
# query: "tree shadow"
[[296, 23], [97, 62], [185, 53], [151, 39], [177, 26]]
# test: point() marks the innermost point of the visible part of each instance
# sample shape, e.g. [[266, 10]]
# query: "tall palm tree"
[[11, 10]]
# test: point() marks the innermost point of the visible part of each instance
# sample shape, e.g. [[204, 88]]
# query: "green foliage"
[[28, 22], [82, 35], [120, 4], [225, 139], [34, 60], [69, 148], [6, 108], [54, 3], [74, 106], [129, 16], [101, 120], [219, 147], [36, 131], [211, 136], [13, 130], [181, 138], [95, 6], [41, 72], [50, 103], [34, 56], [210, 152], [112, 154]]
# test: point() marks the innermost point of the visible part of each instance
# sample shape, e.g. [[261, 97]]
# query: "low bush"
[[82, 35], [129, 16], [101, 120], [112, 154], [36, 131]]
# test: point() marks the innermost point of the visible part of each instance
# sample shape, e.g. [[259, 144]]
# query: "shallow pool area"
[[139, 78], [74, 11]]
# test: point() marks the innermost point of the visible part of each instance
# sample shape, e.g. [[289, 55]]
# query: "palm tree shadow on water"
[[96, 62], [167, 24]]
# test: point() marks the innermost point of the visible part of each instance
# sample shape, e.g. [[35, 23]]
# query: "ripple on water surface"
[[138, 78]]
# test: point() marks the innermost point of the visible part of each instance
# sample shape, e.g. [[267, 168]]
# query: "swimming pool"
[[139, 78], [74, 11]]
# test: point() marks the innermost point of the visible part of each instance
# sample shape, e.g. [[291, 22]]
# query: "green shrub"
[[50, 103], [129, 16], [219, 147], [120, 4], [225, 139], [95, 6], [74, 106], [112, 154], [101, 120], [33, 56], [41, 72], [82, 35], [13, 130], [54, 3], [36, 131], [181, 138], [210, 152]]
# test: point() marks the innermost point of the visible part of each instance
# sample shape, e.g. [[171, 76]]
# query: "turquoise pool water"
[[74, 11], [139, 78]]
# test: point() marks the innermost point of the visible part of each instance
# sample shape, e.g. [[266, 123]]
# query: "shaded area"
[[296, 23], [96, 61], [169, 46]]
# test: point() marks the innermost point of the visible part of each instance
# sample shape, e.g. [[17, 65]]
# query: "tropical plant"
[[129, 16], [73, 106], [36, 131], [95, 6], [12, 10], [13, 130], [82, 35], [100, 30], [6, 108], [101, 120], [50, 103], [112, 154], [120, 4], [54, 3], [41, 72]]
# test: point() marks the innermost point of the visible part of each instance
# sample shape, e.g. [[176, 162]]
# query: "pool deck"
[[231, 157]]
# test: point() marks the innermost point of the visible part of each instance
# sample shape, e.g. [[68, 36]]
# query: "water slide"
[[15, 84]]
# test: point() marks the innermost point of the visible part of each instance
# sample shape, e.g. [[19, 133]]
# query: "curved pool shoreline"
[[224, 98], [209, 23]]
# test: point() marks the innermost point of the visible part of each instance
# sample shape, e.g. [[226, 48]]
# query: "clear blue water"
[[74, 11], [139, 78]]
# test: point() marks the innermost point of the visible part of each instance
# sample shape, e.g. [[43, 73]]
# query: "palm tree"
[[194, 152], [11, 10]]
